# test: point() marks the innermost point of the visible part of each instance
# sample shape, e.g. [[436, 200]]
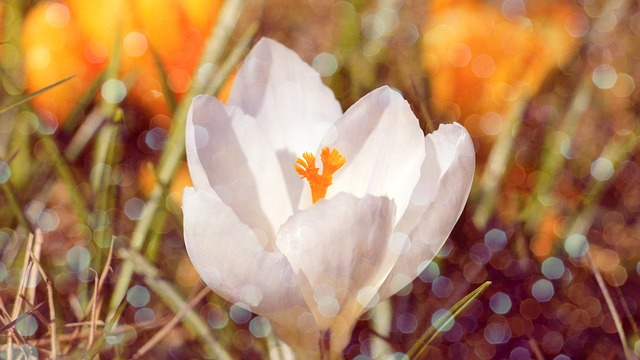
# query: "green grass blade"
[[418, 349], [64, 173], [71, 121], [240, 50], [9, 193], [497, 163], [28, 97], [552, 160]]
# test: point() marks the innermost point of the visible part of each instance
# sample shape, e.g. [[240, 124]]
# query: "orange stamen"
[[331, 159]]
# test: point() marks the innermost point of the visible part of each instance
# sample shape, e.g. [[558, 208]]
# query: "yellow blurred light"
[[77, 37]]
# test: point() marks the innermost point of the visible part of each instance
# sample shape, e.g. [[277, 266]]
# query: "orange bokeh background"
[[77, 37]]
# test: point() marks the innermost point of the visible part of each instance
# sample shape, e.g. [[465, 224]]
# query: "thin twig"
[[610, 305], [171, 324], [174, 300], [536, 349], [92, 323], [10, 324]]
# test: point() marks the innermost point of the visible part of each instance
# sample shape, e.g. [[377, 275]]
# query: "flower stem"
[[324, 344]]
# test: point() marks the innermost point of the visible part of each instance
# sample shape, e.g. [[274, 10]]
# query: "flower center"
[[332, 160]]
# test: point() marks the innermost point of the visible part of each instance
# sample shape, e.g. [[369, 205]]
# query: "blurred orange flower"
[[77, 37], [482, 60]]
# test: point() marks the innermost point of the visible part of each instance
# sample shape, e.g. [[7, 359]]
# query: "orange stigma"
[[332, 160]]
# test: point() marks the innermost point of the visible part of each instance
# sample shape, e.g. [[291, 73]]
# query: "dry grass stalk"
[[611, 306], [26, 269], [34, 252], [536, 349], [50, 300], [171, 324]]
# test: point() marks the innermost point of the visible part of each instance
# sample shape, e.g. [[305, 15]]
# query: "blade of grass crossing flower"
[[418, 349], [231, 61], [174, 300], [173, 152], [28, 97], [502, 151]]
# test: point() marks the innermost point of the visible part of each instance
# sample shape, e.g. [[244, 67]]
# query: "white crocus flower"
[[383, 203]]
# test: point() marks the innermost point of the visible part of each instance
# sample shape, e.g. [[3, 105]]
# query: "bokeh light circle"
[[438, 320], [500, 303], [217, 317], [145, 317], [27, 326], [480, 254], [78, 258], [542, 290], [604, 76], [576, 245], [239, 313], [407, 323], [497, 333], [519, 353], [553, 268], [113, 91], [138, 296], [442, 287], [5, 172], [260, 327], [432, 271], [602, 169], [326, 64], [495, 239]]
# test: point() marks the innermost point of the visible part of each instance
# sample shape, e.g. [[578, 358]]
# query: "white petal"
[[228, 153], [286, 96], [382, 142], [339, 249], [436, 203], [232, 261]]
